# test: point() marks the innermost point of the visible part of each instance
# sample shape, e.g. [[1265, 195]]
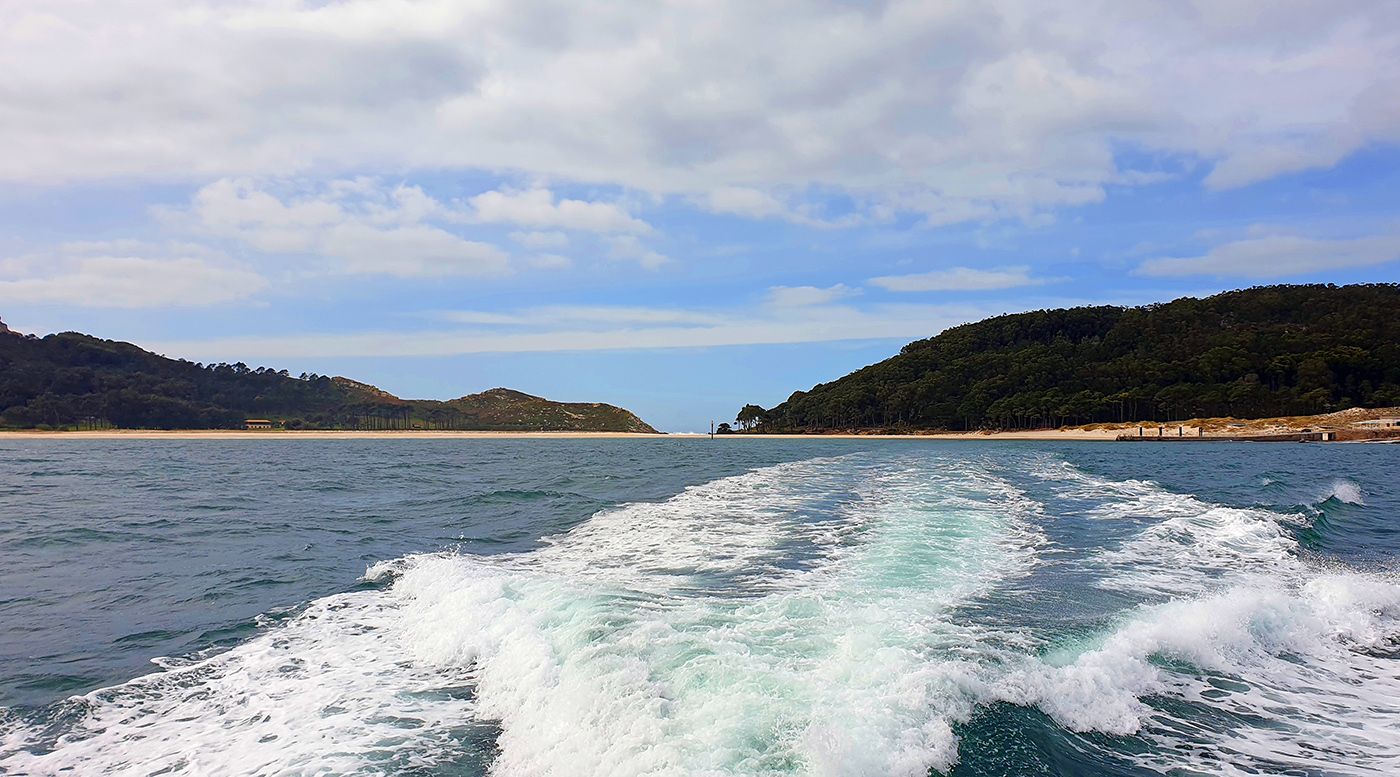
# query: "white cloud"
[[629, 328], [1277, 255], [550, 261], [959, 279], [559, 315], [756, 204], [480, 317], [955, 111], [628, 248], [800, 296], [359, 226], [744, 201], [409, 251], [539, 208], [541, 240], [621, 314], [122, 281]]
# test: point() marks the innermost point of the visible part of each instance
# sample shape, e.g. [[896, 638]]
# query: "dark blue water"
[[698, 607]]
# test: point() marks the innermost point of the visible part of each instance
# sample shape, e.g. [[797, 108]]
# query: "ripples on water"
[[748, 607]]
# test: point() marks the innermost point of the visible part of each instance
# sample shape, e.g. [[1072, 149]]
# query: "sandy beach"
[[1029, 434], [1352, 419], [278, 434], [239, 434]]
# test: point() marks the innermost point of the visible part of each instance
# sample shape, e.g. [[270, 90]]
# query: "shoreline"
[[328, 434], [1345, 426], [311, 434]]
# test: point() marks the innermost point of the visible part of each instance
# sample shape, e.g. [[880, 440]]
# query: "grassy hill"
[[72, 380], [1266, 351]]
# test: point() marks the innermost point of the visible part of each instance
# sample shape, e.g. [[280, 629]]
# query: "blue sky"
[[675, 208]]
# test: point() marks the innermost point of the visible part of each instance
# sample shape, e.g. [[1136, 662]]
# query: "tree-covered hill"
[[72, 380], [1266, 351]]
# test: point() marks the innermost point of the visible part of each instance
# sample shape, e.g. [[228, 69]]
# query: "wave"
[[794, 618], [1283, 665], [821, 617], [1276, 680], [1346, 491], [322, 693], [598, 658]]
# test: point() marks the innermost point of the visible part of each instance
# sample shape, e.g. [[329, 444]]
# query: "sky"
[[677, 207]]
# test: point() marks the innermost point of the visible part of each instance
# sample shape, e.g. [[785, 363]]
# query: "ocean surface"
[[697, 607]]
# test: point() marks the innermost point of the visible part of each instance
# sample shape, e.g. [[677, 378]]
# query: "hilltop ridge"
[[74, 380], [1266, 351]]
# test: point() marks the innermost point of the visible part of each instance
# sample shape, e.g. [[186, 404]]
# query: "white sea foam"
[[322, 694], [1345, 491], [1185, 546], [797, 619], [845, 667], [1289, 667], [645, 641], [1284, 679]]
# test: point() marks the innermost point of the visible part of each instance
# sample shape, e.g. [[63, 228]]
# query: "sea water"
[[697, 607]]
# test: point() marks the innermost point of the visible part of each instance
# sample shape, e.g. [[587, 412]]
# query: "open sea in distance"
[[697, 607]]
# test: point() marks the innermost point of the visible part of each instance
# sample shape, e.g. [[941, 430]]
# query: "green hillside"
[[73, 380], [1267, 351]]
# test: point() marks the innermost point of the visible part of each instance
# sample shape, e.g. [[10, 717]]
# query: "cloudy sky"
[[679, 206]]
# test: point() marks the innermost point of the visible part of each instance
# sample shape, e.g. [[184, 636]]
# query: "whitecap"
[[1286, 666], [791, 619], [1285, 678], [1346, 491]]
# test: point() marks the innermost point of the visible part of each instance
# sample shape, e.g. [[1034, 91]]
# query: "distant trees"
[[750, 416], [1273, 350], [71, 380]]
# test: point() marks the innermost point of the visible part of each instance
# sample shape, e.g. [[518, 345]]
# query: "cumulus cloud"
[[602, 328], [1277, 256], [744, 201], [539, 208], [952, 111], [409, 251], [757, 204], [541, 240], [799, 296], [84, 275], [358, 226], [959, 279], [627, 248], [550, 261], [621, 314], [587, 315]]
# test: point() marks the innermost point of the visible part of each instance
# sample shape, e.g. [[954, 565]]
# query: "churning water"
[[744, 607]]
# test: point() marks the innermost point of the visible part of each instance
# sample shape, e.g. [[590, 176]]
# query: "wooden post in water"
[[712, 429]]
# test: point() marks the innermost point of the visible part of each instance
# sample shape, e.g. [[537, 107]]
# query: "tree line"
[[1252, 353], [75, 381]]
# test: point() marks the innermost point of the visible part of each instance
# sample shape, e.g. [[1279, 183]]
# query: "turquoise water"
[[696, 607]]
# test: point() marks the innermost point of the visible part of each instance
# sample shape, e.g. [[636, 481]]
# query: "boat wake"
[[823, 617]]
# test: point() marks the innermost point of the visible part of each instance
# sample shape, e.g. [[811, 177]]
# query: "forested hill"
[[72, 380], [1267, 351]]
